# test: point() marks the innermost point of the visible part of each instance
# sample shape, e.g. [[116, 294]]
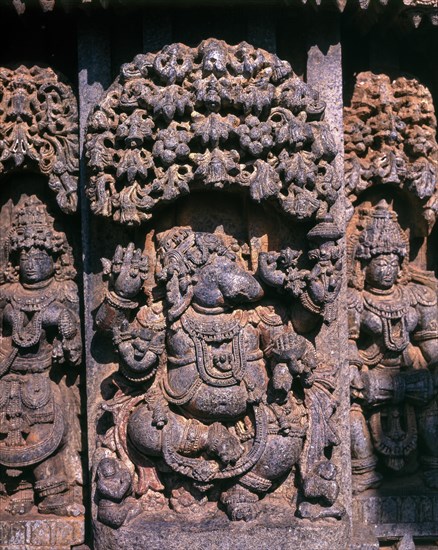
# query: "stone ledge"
[[42, 533], [398, 515], [221, 533]]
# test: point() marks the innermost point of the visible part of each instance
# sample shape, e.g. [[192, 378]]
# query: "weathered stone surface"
[[269, 531], [390, 139], [39, 129], [41, 533], [40, 327], [218, 401], [392, 300], [218, 273], [40, 335]]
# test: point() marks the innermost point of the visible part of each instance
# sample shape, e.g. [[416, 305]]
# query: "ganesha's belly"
[[213, 403]]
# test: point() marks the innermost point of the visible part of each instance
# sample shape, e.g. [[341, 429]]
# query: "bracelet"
[[120, 303]]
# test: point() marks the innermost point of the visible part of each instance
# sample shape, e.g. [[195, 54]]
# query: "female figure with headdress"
[[40, 328], [393, 353]]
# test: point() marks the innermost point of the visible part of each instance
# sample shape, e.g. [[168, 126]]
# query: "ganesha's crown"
[[381, 233], [176, 238]]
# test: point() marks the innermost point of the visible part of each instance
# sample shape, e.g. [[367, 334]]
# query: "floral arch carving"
[[215, 116]]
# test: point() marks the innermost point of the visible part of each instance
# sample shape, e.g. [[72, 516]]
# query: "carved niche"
[[40, 341], [40, 332], [39, 129], [391, 168], [219, 398]]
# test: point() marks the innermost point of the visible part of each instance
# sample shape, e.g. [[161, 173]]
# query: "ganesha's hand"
[[255, 390], [269, 269], [127, 270], [223, 444], [73, 351], [315, 285], [282, 378], [255, 395]]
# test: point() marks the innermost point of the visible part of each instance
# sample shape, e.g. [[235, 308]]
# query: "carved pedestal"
[[41, 533], [283, 531]]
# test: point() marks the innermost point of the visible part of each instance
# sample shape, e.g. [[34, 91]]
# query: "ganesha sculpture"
[[393, 353], [40, 335], [216, 391]]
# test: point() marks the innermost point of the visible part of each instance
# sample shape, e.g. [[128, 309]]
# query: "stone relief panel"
[[219, 401], [40, 346], [39, 129], [41, 474], [391, 167], [394, 349]]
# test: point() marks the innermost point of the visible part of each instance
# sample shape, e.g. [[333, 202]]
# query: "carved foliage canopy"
[[390, 138], [215, 116], [39, 129]]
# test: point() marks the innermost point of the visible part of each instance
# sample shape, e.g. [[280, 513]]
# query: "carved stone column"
[[41, 474], [216, 418]]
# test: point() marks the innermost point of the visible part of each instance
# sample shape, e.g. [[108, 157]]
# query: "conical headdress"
[[381, 234], [33, 227]]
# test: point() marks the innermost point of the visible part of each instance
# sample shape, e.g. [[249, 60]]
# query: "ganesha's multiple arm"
[[315, 290], [139, 340]]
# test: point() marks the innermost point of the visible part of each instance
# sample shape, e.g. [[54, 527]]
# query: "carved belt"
[[36, 363], [394, 442], [26, 400], [209, 470]]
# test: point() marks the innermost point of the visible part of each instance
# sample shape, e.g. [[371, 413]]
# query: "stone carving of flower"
[[170, 101], [256, 100], [215, 57], [173, 63], [217, 167], [100, 151], [290, 130], [213, 93], [173, 182], [300, 203], [255, 136], [264, 182], [214, 129], [423, 178], [133, 91], [299, 96], [134, 163], [247, 60], [171, 144], [135, 129]]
